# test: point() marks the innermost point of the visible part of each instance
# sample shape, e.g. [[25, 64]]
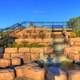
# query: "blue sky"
[[12, 11]]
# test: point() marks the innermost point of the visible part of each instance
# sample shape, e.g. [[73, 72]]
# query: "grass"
[[35, 45]]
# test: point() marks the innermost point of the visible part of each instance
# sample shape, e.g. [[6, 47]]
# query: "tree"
[[74, 23]]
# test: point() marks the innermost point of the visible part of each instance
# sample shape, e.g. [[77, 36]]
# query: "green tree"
[[74, 23]]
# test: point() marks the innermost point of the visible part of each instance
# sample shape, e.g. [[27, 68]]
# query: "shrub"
[[77, 32], [72, 35], [33, 45]]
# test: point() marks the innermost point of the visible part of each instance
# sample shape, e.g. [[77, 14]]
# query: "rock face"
[[72, 53], [74, 41], [15, 70], [74, 75], [27, 54], [19, 62], [41, 36], [4, 63], [34, 73], [7, 74], [16, 61], [44, 42]]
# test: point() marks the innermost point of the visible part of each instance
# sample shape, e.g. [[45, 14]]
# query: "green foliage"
[[15, 45], [26, 45], [74, 22], [3, 34], [77, 32], [72, 34], [33, 45]]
